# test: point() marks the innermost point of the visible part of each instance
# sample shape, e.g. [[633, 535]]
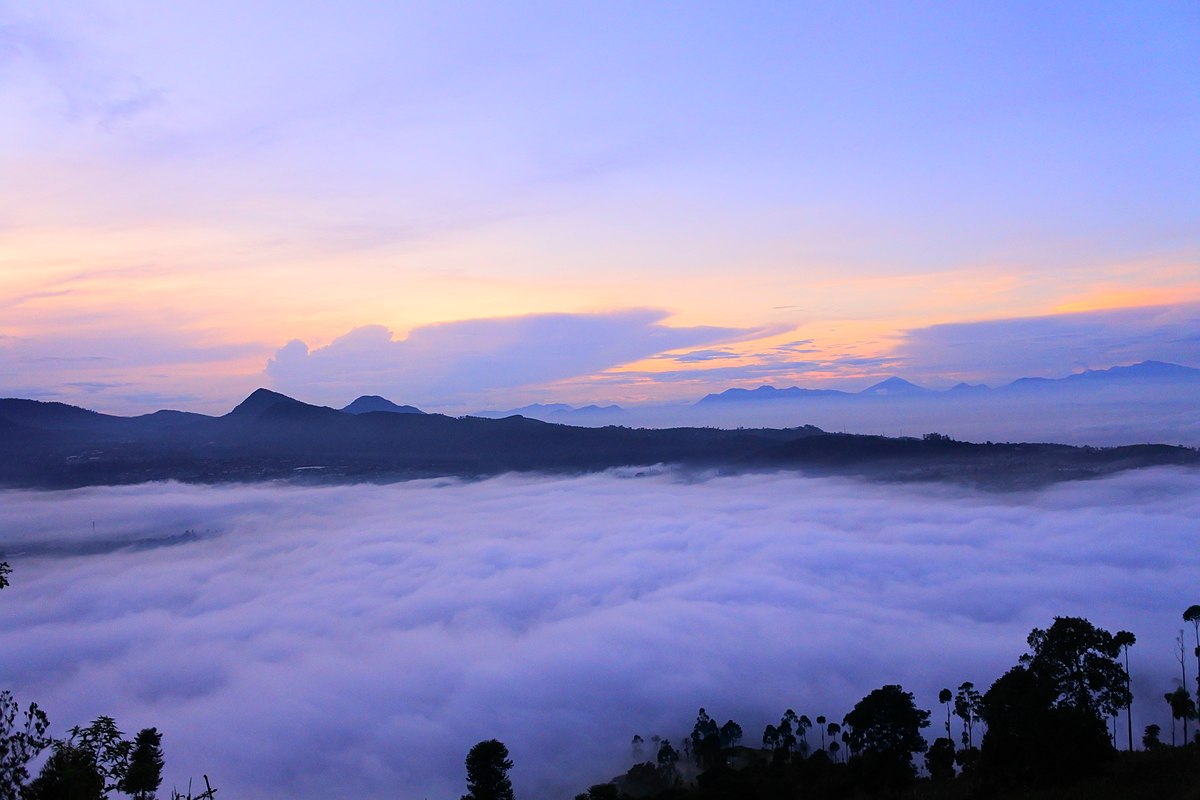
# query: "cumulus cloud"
[[442, 362], [1053, 345], [355, 641]]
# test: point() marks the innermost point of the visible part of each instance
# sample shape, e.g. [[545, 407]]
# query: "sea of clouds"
[[355, 641]]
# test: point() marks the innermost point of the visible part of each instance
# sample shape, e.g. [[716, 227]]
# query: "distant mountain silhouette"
[[270, 436], [768, 393], [893, 387], [259, 401], [1145, 372], [370, 403], [560, 412]]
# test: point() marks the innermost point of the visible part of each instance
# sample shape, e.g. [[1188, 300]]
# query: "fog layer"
[[355, 641]]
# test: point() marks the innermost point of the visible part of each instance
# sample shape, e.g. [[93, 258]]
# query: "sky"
[[489, 204], [314, 643]]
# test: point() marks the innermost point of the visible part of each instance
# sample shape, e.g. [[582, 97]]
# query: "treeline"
[[1048, 723]]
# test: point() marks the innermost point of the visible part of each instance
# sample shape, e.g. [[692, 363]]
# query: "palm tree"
[[821, 725], [1124, 640], [944, 697]]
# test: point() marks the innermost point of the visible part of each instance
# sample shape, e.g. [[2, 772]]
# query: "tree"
[[1047, 717], [966, 707], [20, 743], [1181, 655], [885, 732], [802, 726], [821, 726], [71, 773], [940, 759], [706, 740], [1126, 640], [667, 759], [731, 734], [1150, 738], [145, 765], [637, 743], [5, 571], [944, 697], [1182, 707], [109, 749], [487, 772], [1078, 661], [1192, 615]]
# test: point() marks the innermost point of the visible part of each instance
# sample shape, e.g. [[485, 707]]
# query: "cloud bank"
[[353, 642], [441, 363]]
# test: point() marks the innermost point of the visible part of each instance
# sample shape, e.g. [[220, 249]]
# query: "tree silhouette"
[[803, 724], [1125, 640], [1150, 736], [144, 774], [730, 734], [1046, 718], [706, 740], [19, 743], [637, 743], [821, 726], [667, 759], [833, 729], [1078, 661], [1192, 615], [71, 773], [487, 772], [109, 749], [939, 760], [1181, 655], [5, 571], [966, 707], [885, 732], [944, 697], [1182, 707]]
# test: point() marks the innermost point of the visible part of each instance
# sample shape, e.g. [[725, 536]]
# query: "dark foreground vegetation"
[[273, 437], [1042, 730]]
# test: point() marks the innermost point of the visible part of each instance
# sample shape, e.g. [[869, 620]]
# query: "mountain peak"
[[259, 401], [893, 386], [372, 402]]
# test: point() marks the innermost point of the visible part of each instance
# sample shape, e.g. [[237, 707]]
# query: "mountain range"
[[270, 436]]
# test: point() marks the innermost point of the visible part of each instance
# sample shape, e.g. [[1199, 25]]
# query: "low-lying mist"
[[355, 641]]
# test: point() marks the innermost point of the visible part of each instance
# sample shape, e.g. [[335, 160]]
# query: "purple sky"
[[465, 207]]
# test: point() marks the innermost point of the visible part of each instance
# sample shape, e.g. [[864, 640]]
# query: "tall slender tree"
[[1192, 615], [1181, 655], [1125, 640], [944, 697], [967, 705]]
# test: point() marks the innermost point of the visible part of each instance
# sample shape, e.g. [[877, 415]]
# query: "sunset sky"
[[465, 206]]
